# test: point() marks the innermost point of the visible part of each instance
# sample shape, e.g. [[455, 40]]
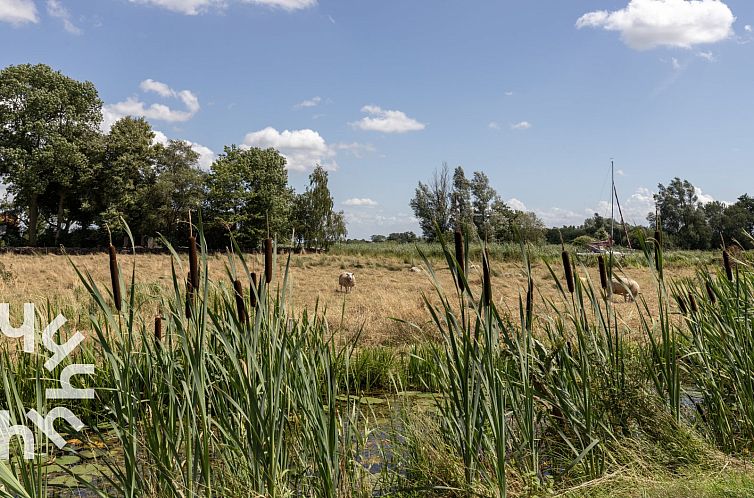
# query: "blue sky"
[[538, 94]]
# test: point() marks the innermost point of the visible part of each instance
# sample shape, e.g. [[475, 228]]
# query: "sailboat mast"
[[612, 204]]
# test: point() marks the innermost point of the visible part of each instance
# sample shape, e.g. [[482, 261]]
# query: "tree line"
[[70, 183]]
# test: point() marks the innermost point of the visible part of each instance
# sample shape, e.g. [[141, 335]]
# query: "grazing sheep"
[[415, 269], [626, 287], [346, 280]]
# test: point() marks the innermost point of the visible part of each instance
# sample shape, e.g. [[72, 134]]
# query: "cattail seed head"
[[658, 250], [692, 303], [460, 256], [568, 271], [603, 271], [710, 292], [254, 290], [486, 279], [268, 260], [240, 305], [158, 328], [529, 303], [193, 262], [728, 265], [115, 277], [681, 304]]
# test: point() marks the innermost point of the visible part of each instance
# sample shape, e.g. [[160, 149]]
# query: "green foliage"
[[248, 193], [315, 222]]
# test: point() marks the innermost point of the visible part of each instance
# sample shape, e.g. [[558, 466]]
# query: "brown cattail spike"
[[603, 271], [710, 292], [568, 271], [486, 279], [728, 265], [692, 303], [268, 260], [529, 303], [253, 290], [193, 262], [460, 256], [158, 328], [681, 304], [240, 305], [115, 277]]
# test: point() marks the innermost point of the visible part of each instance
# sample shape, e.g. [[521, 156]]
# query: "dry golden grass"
[[385, 288]]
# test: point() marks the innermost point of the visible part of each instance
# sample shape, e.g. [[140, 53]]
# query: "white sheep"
[[626, 287], [415, 269], [346, 280]]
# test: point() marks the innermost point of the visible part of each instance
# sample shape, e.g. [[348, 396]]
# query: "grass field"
[[431, 386]]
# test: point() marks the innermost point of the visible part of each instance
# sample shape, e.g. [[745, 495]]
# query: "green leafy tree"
[[461, 210], [314, 218], [682, 216], [179, 187], [247, 192], [47, 121], [483, 197], [431, 204]]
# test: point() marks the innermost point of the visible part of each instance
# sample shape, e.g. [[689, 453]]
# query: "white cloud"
[[18, 12], [387, 121], [523, 125], [747, 28], [646, 24], [620, 172], [493, 125], [517, 205], [56, 9], [313, 102], [360, 202], [187, 7], [288, 5], [365, 222], [508, 93], [708, 56], [132, 106], [675, 63], [206, 155], [703, 198], [356, 149], [301, 148]]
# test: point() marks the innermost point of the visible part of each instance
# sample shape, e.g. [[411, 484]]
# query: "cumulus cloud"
[[516, 204], [302, 149], [132, 106], [646, 24], [206, 155], [56, 9], [18, 12], [508, 93], [708, 56], [312, 102], [676, 64], [288, 5], [747, 28], [356, 149], [360, 202], [493, 125], [387, 121], [523, 125]]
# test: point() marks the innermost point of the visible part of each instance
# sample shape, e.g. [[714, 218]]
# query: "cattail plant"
[[681, 304], [243, 317], [460, 255], [158, 329], [115, 277], [193, 262], [658, 251], [710, 292], [268, 260], [529, 303], [692, 303], [486, 280], [254, 290], [568, 270], [189, 295], [728, 265], [603, 271]]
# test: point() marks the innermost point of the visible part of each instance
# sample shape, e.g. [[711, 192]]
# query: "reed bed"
[[228, 391]]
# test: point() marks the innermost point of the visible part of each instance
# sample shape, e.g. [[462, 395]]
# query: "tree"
[[179, 187], [681, 214], [461, 211], [431, 204], [529, 226], [314, 218], [46, 122], [483, 195], [248, 192]]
